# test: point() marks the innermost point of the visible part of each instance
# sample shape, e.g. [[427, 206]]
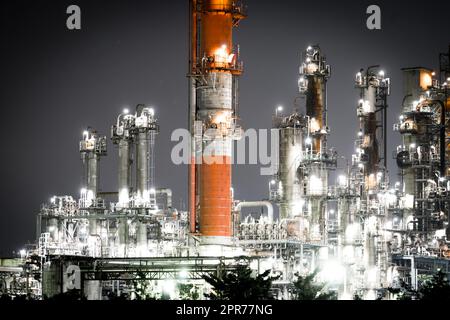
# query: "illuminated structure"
[[213, 78], [363, 233]]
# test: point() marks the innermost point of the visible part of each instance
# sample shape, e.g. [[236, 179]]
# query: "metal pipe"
[[124, 176], [192, 166], [92, 147], [92, 174], [255, 204], [192, 187], [442, 142], [142, 165]]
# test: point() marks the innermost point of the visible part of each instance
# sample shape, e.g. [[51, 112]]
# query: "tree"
[[70, 295], [141, 286], [5, 297], [356, 297], [122, 297], [306, 288], [239, 284], [188, 292], [404, 291], [437, 288]]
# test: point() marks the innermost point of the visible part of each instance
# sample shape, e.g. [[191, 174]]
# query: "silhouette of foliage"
[[240, 284], [188, 292], [306, 288], [437, 288], [70, 295]]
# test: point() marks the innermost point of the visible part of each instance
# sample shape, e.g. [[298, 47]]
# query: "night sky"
[[55, 82]]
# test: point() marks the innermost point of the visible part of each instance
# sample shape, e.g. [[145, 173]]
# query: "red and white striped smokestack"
[[214, 69]]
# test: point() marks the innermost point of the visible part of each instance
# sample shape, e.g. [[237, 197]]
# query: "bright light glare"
[[332, 272], [315, 185], [183, 274], [169, 287], [342, 180]]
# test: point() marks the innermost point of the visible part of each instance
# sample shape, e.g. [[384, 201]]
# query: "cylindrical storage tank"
[[290, 156]]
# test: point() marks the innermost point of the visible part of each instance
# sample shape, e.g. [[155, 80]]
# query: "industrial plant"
[[363, 228]]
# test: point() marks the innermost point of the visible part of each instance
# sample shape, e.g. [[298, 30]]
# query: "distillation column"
[[418, 156], [374, 89], [290, 156], [422, 157], [146, 129], [92, 147], [122, 135], [213, 75], [314, 74], [287, 184]]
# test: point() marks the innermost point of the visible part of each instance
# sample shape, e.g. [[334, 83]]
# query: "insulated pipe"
[[192, 165], [124, 176], [142, 165], [256, 204], [92, 147], [315, 108], [92, 174], [192, 116]]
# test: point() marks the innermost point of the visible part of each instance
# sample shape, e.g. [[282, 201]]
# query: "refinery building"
[[364, 228]]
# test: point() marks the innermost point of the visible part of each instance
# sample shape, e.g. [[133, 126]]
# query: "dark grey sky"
[[55, 82]]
